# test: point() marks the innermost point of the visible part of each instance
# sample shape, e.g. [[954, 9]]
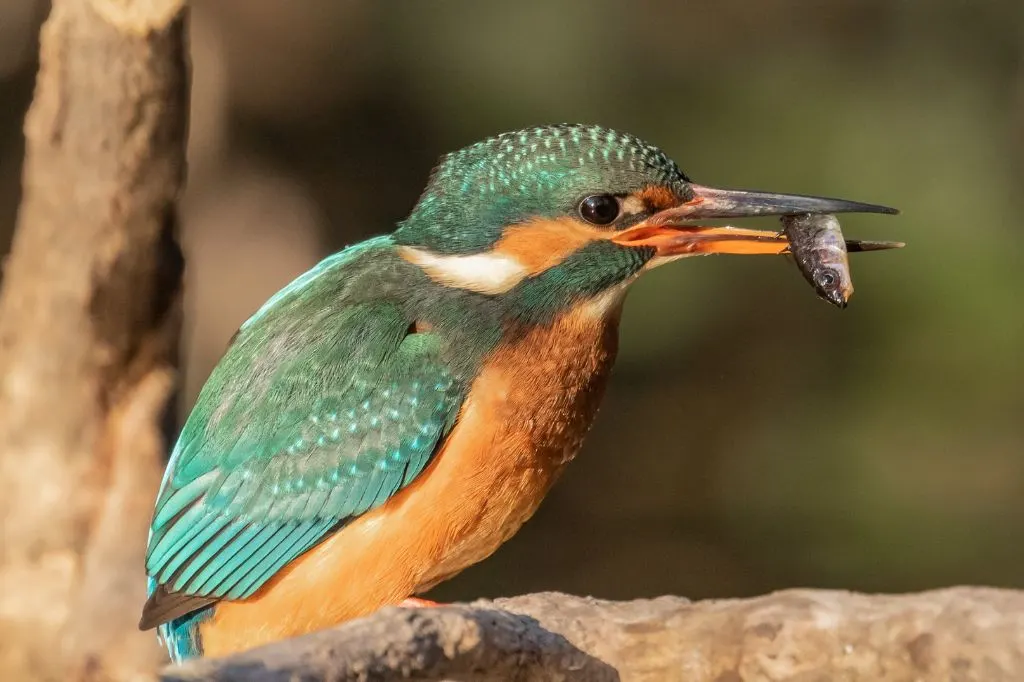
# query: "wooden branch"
[[89, 323], [963, 634]]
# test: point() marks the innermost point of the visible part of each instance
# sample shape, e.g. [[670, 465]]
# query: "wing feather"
[[307, 422]]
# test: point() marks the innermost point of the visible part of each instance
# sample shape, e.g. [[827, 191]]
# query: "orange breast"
[[523, 420]]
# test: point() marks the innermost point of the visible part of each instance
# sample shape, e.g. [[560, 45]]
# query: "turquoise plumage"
[[316, 414]]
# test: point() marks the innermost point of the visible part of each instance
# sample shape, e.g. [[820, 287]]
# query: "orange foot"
[[417, 603]]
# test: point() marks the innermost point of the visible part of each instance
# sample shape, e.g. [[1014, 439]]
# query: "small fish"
[[817, 244]]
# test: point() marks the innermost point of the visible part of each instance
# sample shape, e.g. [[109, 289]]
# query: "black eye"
[[827, 279], [600, 209]]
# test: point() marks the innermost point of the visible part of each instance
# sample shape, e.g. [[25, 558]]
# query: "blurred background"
[[753, 437]]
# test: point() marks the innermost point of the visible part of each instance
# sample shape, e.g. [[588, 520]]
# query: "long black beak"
[[708, 202], [672, 233]]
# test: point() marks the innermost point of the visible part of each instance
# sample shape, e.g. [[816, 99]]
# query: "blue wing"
[[314, 416]]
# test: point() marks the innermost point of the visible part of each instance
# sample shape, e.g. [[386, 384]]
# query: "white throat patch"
[[484, 273]]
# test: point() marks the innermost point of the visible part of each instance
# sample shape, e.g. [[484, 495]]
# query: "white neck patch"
[[484, 273], [600, 306]]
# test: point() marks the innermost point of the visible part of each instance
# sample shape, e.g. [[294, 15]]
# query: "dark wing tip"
[[164, 605]]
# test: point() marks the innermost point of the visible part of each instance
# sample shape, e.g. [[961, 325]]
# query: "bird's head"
[[554, 215]]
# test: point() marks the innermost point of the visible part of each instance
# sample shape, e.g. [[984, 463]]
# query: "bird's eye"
[[600, 209]]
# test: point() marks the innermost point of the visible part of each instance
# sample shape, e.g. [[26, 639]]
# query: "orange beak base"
[[672, 241]]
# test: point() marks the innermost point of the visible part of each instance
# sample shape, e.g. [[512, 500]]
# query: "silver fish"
[[817, 244]]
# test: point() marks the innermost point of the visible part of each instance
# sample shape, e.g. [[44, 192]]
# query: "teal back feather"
[[326, 404]]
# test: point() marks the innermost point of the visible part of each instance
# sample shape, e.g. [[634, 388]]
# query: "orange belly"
[[523, 420]]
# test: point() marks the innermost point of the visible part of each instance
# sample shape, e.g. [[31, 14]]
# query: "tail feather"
[[176, 617], [181, 636], [165, 605]]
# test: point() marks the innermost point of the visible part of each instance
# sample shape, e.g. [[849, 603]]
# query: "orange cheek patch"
[[658, 197], [541, 244]]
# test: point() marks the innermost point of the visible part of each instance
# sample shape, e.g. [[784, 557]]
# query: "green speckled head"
[[474, 193]]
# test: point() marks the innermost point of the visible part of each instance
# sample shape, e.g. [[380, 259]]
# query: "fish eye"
[[827, 279], [600, 209]]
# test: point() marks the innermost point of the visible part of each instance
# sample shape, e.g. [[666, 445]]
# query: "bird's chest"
[[543, 393], [524, 419]]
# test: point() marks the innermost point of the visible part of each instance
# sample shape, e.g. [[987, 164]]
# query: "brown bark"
[[964, 634], [89, 323]]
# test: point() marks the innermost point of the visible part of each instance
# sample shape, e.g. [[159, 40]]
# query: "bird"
[[398, 411]]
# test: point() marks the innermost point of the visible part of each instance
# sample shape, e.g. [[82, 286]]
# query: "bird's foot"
[[417, 603]]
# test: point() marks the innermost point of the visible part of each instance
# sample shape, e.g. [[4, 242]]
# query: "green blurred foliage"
[[753, 437]]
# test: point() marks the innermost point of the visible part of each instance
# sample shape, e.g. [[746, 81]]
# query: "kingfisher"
[[397, 412]]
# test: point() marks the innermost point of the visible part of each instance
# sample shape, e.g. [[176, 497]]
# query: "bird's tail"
[[181, 635]]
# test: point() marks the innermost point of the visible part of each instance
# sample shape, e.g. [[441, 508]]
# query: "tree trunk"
[[89, 326]]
